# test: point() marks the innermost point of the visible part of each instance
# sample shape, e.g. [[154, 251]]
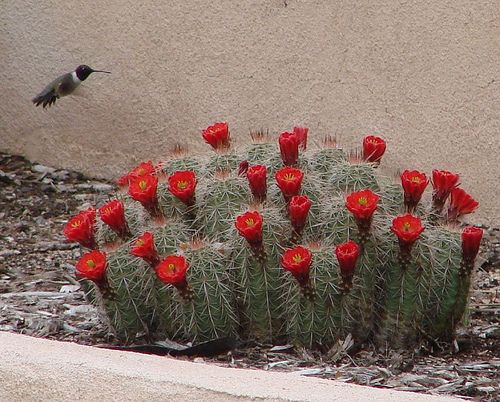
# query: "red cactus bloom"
[[217, 135], [461, 203], [471, 240], [442, 182], [243, 168], [289, 148], [80, 228], [249, 226], [347, 254], [257, 179], [301, 133], [362, 204], [414, 184], [113, 214], [144, 247], [373, 148], [172, 270], [298, 262], [407, 228], [142, 169], [298, 209], [289, 181], [182, 184], [143, 189], [92, 266]]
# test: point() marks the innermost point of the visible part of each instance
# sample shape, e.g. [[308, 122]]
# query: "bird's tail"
[[45, 98]]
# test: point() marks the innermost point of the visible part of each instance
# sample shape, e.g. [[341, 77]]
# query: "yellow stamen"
[[250, 222], [297, 258], [143, 184], [289, 177], [362, 201], [416, 179], [406, 226], [76, 224], [182, 184], [171, 267], [90, 263]]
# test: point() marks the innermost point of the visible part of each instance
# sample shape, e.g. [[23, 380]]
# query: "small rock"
[[81, 309], [102, 187], [37, 168], [9, 253], [69, 288]]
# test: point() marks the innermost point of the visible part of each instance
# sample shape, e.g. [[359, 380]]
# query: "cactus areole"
[[279, 241]]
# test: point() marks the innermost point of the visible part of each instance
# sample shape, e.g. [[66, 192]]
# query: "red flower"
[[414, 184], [373, 148], [182, 184], [172, 270], [347, 254], [80, 228], [407, 228], [257, 179], [362, 204], [92, 266], [301, 133], [142, 169], [144, 247], [461, 203], [243, 168], [289, 180], [113, 215], [297, 261], [217, 135], [443, 182], [143, 189], [298, 208], [249, 226], [471, 240], [289, 148]]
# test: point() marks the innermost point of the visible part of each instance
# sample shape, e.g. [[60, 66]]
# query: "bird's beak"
[[101, 71]]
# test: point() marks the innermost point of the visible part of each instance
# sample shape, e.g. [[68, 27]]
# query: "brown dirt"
[[39, 297]]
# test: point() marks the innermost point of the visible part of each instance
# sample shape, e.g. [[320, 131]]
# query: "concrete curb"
[[43, 370]]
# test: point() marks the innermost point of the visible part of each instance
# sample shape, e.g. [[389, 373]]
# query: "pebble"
[[37, 168]]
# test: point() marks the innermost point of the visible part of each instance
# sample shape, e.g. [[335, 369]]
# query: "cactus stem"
[[346, 284], [106, 292], [466, 268], [259, 252], [296, 235], [185, 291]]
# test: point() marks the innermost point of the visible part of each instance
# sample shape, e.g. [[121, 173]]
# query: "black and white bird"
[[64, 85]]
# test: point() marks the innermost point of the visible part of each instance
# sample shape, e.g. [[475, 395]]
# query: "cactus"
[[298, 249]]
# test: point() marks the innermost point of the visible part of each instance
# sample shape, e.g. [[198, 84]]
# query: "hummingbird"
[[64, 85]]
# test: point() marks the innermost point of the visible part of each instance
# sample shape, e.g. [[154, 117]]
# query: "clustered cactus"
[[299, 245]]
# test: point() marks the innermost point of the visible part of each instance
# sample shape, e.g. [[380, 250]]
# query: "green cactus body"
[[351, 177], [325, 160], [236, 288], [211, 313], [131, 310], [216, 210], [447, 295], [229, 162], [331, 314]]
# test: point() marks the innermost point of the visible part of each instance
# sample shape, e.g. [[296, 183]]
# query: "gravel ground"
[[39, 297]]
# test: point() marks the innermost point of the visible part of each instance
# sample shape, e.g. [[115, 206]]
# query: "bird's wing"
[[49, 95]]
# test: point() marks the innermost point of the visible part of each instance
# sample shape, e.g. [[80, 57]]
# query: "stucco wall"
[[423, 74]]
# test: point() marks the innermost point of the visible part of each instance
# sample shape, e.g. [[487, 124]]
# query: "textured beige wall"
[[424, 74]]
